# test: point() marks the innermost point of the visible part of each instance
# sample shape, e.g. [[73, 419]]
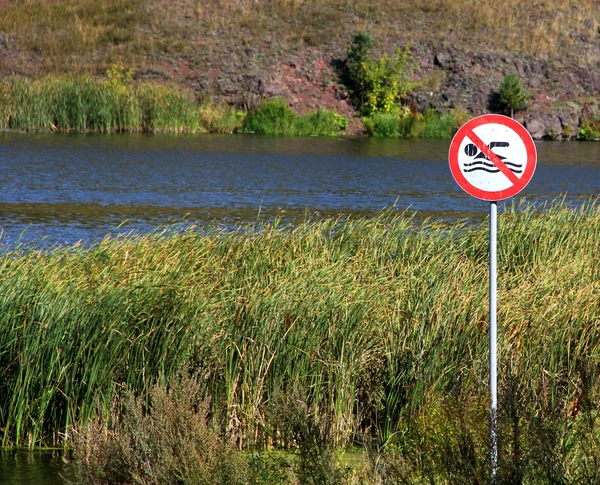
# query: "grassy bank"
[[407, 124], [367, 319]]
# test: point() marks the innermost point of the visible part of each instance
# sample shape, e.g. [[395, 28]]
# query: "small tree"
[[358, 55], [513, 96]]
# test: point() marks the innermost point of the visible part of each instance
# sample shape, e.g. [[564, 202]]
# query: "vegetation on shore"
[[115, 105], [377, 325]]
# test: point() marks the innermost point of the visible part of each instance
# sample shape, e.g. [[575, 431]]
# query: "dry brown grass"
[[80, 35], [534, 28], [88, 35]]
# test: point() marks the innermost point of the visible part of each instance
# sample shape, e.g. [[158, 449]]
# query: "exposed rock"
[[543, 125], [569, 121], [342, 94], [272, 90], [227, 87], [443, 59]]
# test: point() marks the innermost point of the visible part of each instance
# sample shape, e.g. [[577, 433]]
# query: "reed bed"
[[368, 319], [83, 104]]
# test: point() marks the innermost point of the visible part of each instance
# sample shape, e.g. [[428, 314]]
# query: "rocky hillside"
[[244, 50]]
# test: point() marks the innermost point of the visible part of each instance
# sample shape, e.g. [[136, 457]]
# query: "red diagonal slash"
[[492, 156]]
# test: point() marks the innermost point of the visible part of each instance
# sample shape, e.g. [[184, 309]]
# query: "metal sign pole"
[[495, 145], [493, 340]]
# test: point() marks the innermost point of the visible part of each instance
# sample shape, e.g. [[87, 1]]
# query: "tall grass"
[[369, 319], [84, 104], [406, 124]]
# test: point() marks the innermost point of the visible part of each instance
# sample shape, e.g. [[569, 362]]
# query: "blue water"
[[60, 189]]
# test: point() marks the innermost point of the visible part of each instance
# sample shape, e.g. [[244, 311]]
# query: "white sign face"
[[479, 170], [492, 157]]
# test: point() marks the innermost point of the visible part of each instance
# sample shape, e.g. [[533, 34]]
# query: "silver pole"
[[493, 342]]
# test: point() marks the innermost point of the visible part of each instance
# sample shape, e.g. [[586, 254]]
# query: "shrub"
[[539, 441], [589, 129], [220, 118], [382, 125], [409, 124], [275, 117], [119, 75], [377, 85], [387, 81], [310, 433], [170, 443], [322, 122], [438, 126]]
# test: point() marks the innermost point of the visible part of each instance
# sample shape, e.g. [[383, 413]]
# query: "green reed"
[[365, 318], [84, 104]]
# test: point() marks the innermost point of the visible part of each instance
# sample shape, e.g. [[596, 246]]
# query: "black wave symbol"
[[491, 168], [485, 169]]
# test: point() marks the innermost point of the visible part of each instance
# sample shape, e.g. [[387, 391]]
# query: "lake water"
[[59, 189], [34, 468]]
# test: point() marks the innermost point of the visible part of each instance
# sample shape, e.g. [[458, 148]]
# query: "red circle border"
[[523, 134]]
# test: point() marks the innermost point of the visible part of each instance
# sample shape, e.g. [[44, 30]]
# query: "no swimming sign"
[[492, 157]]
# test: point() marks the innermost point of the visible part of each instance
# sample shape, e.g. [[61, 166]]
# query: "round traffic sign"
[[492, 157]]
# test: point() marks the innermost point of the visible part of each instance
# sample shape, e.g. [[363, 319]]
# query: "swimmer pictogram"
[[482, 161], [492, 157]]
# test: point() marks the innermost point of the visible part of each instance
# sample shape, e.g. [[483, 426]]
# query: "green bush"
[[407, 124], [322, 122], [589, 130], [170, 443], [378, 84], [539, 442], [358, 55], [434, 125], [275, 117], [387, 81]]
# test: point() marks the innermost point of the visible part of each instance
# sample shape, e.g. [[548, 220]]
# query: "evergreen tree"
[[358, 55], [512, 95]]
